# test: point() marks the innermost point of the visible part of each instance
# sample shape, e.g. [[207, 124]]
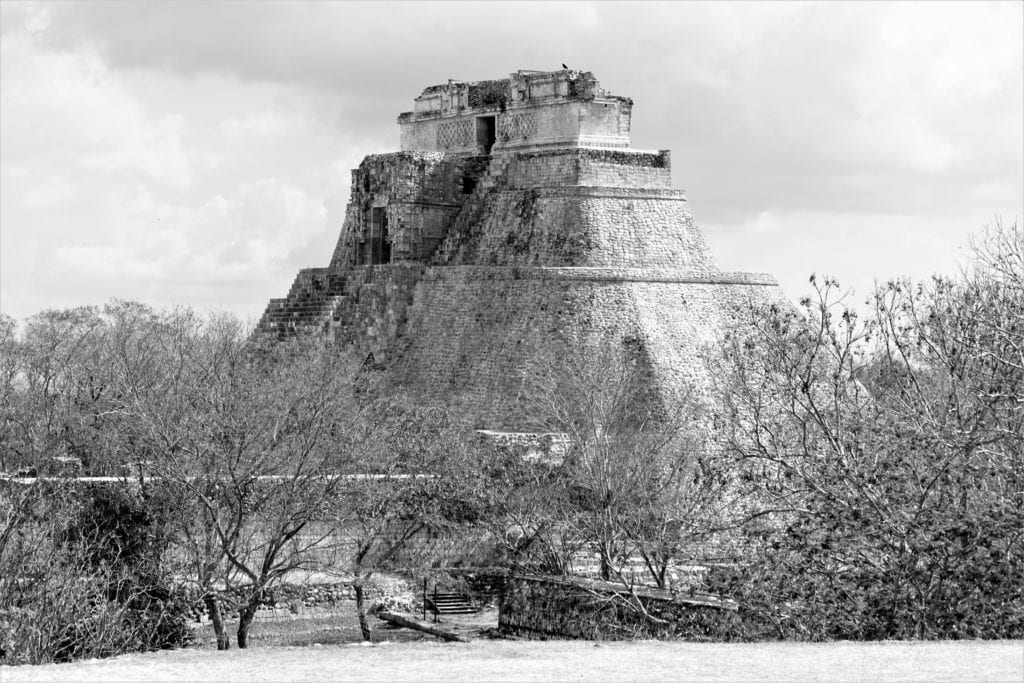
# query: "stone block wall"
[[309, 304], [417, 229], [499, 264], [474, 332], [419, 193], [373, 315], [572, 608], [469, 546], [530, 110], [585, 227], [314, 599], [466, 336], [408, 177], [591, 167], [569, 123]]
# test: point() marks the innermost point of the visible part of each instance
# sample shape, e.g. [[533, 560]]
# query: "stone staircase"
[[472, 210], [450, 603], [310, 304], [495, 171], [316, 296]]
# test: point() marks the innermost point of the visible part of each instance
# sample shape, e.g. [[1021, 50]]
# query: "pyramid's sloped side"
[[473, 334], [585, 226], [685, 326], [575, 207]]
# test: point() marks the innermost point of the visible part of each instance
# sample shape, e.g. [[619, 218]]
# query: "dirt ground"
[[497, 660], [341, 627]]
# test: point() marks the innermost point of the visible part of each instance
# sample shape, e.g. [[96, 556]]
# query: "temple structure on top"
[[515, 224], [530, 110]]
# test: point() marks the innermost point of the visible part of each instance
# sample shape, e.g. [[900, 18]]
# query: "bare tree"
[[61, 402], [514, 485], [412, 488], [636, 482], [53, 391], [258, 441]]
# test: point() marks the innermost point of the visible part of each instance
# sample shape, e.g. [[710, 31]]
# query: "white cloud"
[[258, 124], [68, 106], [108, 194], [858, 249], [200, 153], [227, 239]]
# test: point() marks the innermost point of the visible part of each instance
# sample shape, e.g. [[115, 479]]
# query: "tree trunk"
[[213, 607], [661, 579], [245, 617], [606, 565], [364, 623]]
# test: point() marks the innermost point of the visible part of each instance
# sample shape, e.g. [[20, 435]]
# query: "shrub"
[[83, 575]]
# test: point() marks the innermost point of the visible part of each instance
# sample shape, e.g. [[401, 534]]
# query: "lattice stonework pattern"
[[518, 126], [455, 133], [435, 225]]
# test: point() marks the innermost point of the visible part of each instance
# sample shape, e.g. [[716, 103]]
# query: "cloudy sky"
[[199, 153]]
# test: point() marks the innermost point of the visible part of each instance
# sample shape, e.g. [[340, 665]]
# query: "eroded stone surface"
[[514, 226]]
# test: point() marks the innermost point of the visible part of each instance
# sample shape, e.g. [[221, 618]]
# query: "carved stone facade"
[[528, 110], [516, 221]]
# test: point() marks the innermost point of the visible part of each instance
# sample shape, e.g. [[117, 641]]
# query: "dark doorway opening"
[[485, 133], [380, 246]]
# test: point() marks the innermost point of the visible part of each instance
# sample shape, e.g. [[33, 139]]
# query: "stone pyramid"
[[515, 225]]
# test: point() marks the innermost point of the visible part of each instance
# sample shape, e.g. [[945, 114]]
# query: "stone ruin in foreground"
[[515, 225]]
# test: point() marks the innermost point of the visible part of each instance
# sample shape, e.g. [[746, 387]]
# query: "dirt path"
[[559, 660]]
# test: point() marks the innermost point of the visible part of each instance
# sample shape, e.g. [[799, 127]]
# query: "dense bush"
[[573, 608], [883, 459], [83, 574], [129, 530]]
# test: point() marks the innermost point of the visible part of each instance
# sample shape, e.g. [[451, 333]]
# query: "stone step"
[[450, 603]]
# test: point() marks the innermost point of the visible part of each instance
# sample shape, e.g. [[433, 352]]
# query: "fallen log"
[[426, 627]]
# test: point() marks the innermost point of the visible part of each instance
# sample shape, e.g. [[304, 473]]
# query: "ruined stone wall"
[[420, 194], [286, 600], [563, 607], [570, 207]]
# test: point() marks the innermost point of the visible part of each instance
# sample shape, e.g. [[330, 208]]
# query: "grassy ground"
[[341, 627], [493, 660], [329, 647], [335, 629]]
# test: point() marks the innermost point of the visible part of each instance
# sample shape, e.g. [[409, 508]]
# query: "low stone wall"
[[313, 599], [574, 608]]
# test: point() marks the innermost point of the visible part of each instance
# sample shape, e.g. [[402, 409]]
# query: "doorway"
[[485, 133], [380, 244]]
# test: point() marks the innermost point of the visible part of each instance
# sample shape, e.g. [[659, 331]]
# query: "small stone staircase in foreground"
[[450, 603]]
